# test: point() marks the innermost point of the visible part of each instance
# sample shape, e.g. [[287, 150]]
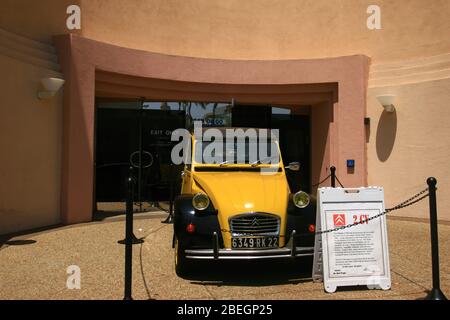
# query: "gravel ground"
[[34, 266]]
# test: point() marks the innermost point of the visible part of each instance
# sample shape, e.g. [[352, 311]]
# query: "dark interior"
[[123, 130]]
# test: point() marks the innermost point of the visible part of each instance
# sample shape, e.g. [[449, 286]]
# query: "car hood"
[[240, 192]]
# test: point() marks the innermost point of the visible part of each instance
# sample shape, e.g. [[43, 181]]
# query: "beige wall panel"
[[39, 20], [30, 144], [412, 144], [271, 29], [252, 29]]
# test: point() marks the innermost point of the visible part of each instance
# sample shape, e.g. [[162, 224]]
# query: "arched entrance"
[[334, 88]]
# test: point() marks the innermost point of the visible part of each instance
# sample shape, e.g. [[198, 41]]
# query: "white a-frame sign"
[[353, 256]]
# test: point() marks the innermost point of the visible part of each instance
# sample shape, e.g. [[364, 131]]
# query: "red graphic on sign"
[[339, 220]]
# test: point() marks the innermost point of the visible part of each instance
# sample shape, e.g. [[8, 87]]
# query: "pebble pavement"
[[34, 266]]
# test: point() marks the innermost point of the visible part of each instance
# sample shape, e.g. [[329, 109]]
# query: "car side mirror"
[[293, 166]]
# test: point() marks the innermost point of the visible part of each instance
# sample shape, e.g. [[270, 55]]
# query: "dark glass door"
[[295, 147], [138, 138], [294, 137], [117, 138]]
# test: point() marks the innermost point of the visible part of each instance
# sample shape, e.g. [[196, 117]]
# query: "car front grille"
[[255, 224]]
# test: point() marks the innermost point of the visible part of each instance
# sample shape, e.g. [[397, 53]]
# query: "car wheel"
[[182, 266]]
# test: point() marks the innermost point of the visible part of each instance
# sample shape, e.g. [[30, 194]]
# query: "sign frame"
[[334, 204]]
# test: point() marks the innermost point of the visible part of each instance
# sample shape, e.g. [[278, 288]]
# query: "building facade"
[[319, 58]]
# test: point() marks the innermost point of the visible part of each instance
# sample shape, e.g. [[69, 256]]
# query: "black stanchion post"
[[333, 176], [130, 198], [133, 180], [139, 180], [171, 191], [169, 219], [129, 240], [435, 293]]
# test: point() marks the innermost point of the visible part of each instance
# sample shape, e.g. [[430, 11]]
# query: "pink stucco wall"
[[335, 87]]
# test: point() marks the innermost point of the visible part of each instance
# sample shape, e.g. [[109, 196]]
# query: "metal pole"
[[129, 240], [435, 293], [333, 176], [171, 190], [135, 240], [140, 157], [170, 217]]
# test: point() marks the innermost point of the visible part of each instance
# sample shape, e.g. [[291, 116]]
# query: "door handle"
[[137, 165]]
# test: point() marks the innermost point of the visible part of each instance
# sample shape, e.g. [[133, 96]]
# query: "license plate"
[[254, 242]]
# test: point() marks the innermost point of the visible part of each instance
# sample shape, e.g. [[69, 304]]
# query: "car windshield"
[[250, 151]]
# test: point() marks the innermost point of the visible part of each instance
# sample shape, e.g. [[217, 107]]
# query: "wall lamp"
[[50, 86], [387, 101]]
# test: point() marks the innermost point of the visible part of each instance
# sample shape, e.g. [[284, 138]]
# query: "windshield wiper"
[[223, 163], [259, 161]]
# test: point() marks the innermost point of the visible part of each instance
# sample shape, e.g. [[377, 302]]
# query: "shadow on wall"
[[386, 133]]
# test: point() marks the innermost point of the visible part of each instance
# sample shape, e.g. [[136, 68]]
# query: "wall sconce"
[[387, 101], [51, 87]]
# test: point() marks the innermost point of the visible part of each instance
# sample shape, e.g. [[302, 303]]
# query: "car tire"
[[182, 266]]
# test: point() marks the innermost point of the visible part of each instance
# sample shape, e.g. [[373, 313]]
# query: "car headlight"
[[200, 201], [301, 199]]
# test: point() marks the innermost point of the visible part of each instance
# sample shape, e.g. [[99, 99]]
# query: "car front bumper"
[[225, 254], [216, 253]]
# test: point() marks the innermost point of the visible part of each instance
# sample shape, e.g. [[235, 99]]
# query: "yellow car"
[[235, 210]]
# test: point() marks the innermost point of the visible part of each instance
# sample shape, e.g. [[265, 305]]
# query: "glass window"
[[237, 152]]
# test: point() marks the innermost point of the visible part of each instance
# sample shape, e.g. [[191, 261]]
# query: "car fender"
[[204, 221]]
